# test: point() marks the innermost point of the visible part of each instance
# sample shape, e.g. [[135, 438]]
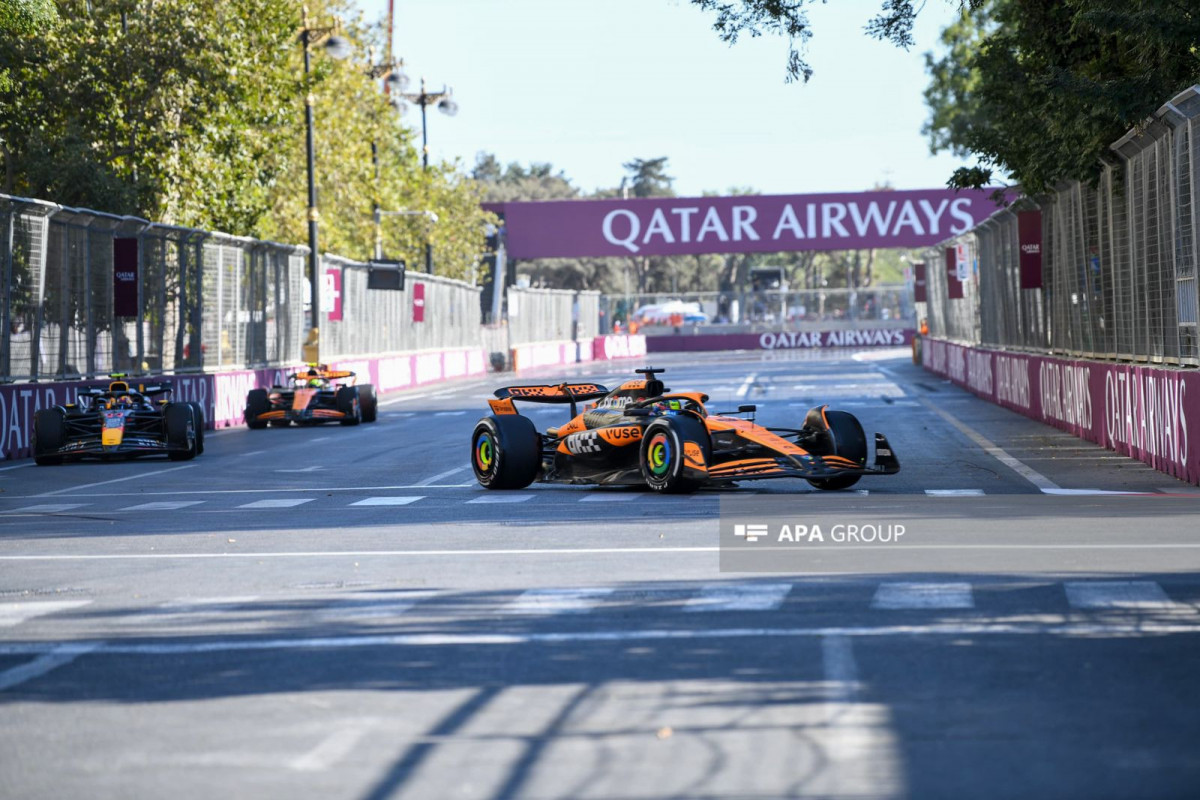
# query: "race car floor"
[[341, 612]]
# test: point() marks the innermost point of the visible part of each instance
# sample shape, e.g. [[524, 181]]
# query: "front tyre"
[[198, 418], [180, 423], [663, 453], [849, 441], [349, 403], [257, 402], [368, 402], [506, 452]]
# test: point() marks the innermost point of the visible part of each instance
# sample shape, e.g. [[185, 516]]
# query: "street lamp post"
[[337, 47], [447, 106]]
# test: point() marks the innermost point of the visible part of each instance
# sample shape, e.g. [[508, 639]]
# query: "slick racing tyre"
[[368, 402], [662, 453], [850, 442], [348, 402], [48, 435], [180, 424], [506, 452], [257, 403], [198, 418]]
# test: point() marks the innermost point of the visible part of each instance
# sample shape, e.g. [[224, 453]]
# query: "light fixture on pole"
[[338, 47], [445, 104]]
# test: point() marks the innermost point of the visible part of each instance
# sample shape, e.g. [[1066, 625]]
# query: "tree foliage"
[[191, 112], [1040, 90]]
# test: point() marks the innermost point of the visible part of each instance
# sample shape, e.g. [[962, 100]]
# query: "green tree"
[[538, 181], [1043, 92], [648, 177]]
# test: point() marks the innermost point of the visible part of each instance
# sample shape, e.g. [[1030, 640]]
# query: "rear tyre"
[[198, 418], [279, 423], [49, 433], [506, 452], [180, 424], [849, 441], [662, 453], [348, 403], [368, 402], [257, 402]]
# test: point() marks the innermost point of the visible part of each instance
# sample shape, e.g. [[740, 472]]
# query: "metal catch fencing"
[[1118, 258], [756, 311], [540, 315]]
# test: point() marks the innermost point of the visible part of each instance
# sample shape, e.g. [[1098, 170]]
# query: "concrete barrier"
[[1144, 412]]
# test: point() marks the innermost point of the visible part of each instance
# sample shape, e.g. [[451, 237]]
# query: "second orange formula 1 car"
[[641, 433], [316, 394]]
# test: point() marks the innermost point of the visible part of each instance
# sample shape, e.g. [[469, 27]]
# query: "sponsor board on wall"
[[1148, 413], [781, 340]]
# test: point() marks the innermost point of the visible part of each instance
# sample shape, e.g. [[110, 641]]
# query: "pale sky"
[[589, 84]]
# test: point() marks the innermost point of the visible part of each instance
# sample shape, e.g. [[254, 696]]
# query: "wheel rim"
[[658, 455], [485, 453]]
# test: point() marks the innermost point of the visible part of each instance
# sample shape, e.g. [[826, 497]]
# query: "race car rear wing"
[[561, 393]]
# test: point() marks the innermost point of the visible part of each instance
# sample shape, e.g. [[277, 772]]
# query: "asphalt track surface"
[[342, 613]]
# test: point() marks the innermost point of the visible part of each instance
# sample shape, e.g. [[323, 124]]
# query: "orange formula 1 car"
[[643, 434], [316, 394]]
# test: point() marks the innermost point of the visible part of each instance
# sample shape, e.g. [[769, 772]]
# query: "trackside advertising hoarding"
[[781, 340], [1149, 413], [744, 224]]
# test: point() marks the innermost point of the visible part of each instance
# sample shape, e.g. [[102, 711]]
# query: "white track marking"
[[303, 469], [744, 389], [1118, 594], [923, 595], [331, 750], [50, 660], [954, 492], [253, 453], [1024, 470], [387, 501], [320, 439], [558, 601], [611, 497], [15, 613], [501, 497], [146, 476], [739, 597], [1139, 627], [440, 475], [278, 502], [372, 605], [46, 508], [163, 505], [448, 413], [558, 552], [29, 463], [1087, 491]]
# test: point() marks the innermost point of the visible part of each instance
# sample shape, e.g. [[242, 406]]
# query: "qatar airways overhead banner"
[[746, 224]]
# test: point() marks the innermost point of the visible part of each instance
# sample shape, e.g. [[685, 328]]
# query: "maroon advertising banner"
[[953, 284], [1029, 237], [418, 297], [919, 291], [331, 294], [125, 277], [743, 224], [781, 340], [1143, 412]]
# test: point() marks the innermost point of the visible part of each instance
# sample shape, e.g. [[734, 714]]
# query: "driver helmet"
[[314, 382], [668, 406]]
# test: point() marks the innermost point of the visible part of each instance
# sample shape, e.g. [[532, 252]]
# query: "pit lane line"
[[140, 475]]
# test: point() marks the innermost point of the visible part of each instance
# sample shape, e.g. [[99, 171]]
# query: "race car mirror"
[[748, 409], [638, 412], [387, 275]]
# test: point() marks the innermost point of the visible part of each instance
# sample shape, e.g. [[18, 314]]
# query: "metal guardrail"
[[1118, 258], [540, 315]]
